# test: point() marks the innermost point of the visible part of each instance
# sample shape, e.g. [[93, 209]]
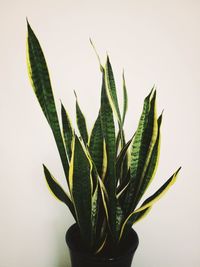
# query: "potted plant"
[[105, 174]]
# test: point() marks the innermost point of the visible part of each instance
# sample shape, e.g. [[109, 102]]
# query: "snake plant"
[[106, 176]]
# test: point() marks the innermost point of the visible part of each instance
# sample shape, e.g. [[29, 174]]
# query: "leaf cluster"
[[105, 174]]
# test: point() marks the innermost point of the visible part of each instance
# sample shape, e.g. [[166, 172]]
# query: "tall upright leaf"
[[141, 149], [111, 88], [67, 131], [40, 80], [108, 130], [81, 123], [152, 166], [125, 98], [81, 188], [96, 145]]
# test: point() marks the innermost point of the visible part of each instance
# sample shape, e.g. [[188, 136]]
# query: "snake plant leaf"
[[121, 161], [81, 123], [96, 145], [125, 97], [141, 149], [40, 80], [81, 187], [148, 203], [68, 131], [120, 136], [159, 193], [108, 130], [57, 191], [111, 89], [153, 163], [141, 214]]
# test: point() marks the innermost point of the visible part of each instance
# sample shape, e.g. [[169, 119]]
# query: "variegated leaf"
[[148, 203], [40, 80], [108, 130], [81, 123], [68, 131], [81, 188], [57, 191]]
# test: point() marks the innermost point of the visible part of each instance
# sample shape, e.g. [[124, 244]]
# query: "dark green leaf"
[[111, 89], [67, 131], [141, 150], [57, 191], [96, 145], [81, 123], [125, 96], [108, 130], [153, 163], [39, 76], [80, 181]]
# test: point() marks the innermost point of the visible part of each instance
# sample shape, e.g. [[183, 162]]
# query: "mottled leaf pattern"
[[111, 89], [141, 150], [68, 131], [80, 182], [39, 77], [81, 123], [96, 145], [108, 129]]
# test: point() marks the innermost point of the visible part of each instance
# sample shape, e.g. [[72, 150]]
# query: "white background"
[[156, 42]]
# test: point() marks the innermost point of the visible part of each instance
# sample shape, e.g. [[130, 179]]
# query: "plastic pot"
[[81, 258]]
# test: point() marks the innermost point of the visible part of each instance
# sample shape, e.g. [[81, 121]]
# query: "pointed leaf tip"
[[75, 95]]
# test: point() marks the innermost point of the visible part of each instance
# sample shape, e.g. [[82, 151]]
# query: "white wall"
[[155, 42]]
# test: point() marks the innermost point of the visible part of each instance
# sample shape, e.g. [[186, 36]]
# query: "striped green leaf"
[[148, 203], [125, 102], [141, 149], [40, 80], [108, 130], [81, 123], [68, 131], [96, 145], [81, 188], [57, 191], [111, 89], [121, 162], [153, 163]]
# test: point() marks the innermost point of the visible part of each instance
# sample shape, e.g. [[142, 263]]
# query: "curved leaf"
[[57, 191], [148, 203]]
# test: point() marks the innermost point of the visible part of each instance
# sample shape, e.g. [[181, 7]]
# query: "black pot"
[[81, 258]]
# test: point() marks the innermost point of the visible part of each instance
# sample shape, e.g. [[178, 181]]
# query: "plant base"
[[81, 258]]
